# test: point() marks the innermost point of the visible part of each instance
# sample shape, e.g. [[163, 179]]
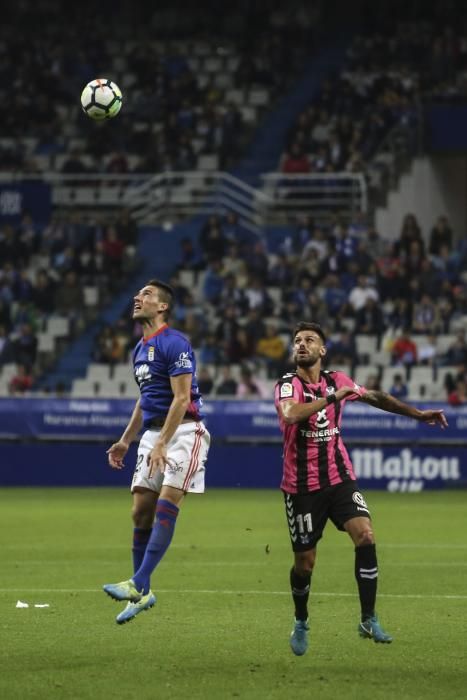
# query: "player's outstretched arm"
[[386, 402], [293, 411], [118, 450]]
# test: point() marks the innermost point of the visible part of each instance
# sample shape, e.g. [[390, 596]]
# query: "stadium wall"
[[434, 187], [62, 442]]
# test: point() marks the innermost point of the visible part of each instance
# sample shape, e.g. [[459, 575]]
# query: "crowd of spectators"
[[43, 273], [388, 72], [173, 110], [244, 299]]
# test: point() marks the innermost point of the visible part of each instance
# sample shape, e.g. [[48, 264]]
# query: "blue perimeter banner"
[[16, 199], [87, 419], [388, 451]]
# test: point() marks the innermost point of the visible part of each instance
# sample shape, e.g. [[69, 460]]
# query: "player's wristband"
[[331, 399]]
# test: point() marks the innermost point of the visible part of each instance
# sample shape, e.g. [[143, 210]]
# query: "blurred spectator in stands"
[[240, 347], [404, 350], [104, 346], [363, 259], [410, 232], [425, 316], [458, 396], [399, 388], [454, 376], [66, 260], [227, 385], [254, 325], [318, 242], [28, 236], [413, 261], [205, 381], [235, 264], [232, 293], [227, 328], [189, 258], [295, 161], [6, 297], [213, 281], [73, 164], [247, 386], [257, 262], [310, 266], [69, 299], [24, 313], [25, 345], [446, 264], [400, 315], [6, 347], [375, 244], [44, 293], [441, 235], [209, 352], [113, 249], [369, 319], [257, 296], [389, 269], [117, 164], [281, 272], [361, 292], [212, 241], [334, 296], [233, 231], [427, 350], [456, 354], [21, 381], [345, 244], [271, 348], [315, 310], [342, 351], [127, 228]]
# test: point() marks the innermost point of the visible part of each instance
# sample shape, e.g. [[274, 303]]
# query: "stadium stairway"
[[268, 142]]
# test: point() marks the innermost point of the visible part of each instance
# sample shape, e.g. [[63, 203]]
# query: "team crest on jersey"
[[151, 353], [286, 390], [330, 390]]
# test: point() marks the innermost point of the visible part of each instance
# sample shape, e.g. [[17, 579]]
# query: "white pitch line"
[[193, 591]]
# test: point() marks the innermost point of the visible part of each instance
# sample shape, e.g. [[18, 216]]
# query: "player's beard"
[[308, 361]]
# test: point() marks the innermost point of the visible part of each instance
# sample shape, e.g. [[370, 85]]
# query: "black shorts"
[[308, 513]]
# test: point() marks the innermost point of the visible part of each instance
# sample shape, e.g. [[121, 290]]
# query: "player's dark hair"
[[306, 326], [166, 294]]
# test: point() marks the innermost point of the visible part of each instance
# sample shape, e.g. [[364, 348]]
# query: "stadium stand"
[[194, 104]]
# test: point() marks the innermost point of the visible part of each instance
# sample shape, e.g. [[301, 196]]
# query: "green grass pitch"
[[221, 624]]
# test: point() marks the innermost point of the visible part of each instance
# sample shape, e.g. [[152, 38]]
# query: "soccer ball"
[[101, 99]]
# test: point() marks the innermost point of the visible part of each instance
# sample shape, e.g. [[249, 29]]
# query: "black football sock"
[[366, 573], [300, 586]]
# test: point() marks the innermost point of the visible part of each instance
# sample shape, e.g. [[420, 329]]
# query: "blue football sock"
[[161, 537], [140, 540]]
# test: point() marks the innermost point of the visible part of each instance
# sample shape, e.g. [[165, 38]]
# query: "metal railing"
[[172, 196]]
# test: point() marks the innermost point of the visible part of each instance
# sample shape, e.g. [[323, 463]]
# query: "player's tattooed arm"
[[386, 402]]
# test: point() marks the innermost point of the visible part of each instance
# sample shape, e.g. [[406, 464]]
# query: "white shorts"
[[187, 452]]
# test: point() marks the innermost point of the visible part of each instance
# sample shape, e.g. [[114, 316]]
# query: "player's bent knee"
[[304, 563], [142, 518], [366, 537]]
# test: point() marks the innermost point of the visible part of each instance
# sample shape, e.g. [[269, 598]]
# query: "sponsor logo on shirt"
[[142, 374], [183, 361], [330, 390], [322, 435]]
